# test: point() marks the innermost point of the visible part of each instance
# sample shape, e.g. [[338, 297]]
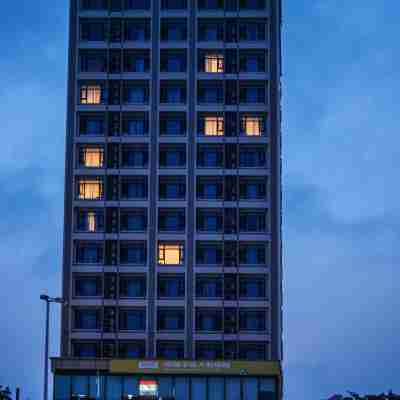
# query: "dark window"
[[137, 30], [209, 286], [252, 94], [93, 4], [132, 320], [173, 4], [173, 61], [210, 93], [211, 30], [252, 254], [171, 220], [88, 286], [89, 253], [252, 62], [86, 349], [252, 320], [252, 351], [210, 4], [87, 319], [133, 220], [209, 156], [252, 157], [209, 188], [172, 124], [171, 320], [173, 30], [209, 253], [133, 188], [135, 125], [252, 4], [254, 189], [137, 4], [209, 220], [134, 156], [172, 93], [172, 156], [93, 31], [136, 94], [90, 61], [133, 253], [252, 221], [171, 286], [252, 287], [170, 350], [132, 349], [209, 351], [136, 62], [208, 320], [132, 286], [252, 31], [91, 125], [172, 189]]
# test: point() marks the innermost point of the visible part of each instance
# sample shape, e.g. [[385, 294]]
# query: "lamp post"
[[48, 300]]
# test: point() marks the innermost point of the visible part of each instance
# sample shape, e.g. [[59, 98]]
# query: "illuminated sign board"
[[148, 387]]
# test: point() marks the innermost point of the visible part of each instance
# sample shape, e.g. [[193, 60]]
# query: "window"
[[132, 349], [171, 286], [170, 254], [173, 4], [172, 188], [133, 188], [91, 125], [91, 157], [137, 30], [173, 30], [210, 4], [93, 31], [252, 157], [252, 287], [252, 254], [90, 94], [134, 220], [137, 4], [208, 320], [90, 188], [209, 188], [252, 62], [252, 351], [214, 63], [171, 319], [252, 320], [252, 126], [210, 92], [90, 61], [89, 220], [136, 94], [173, 124], [252, 31], [211, 126], [209, 253], [88, 253], [135, 124], [170, 350], [133, 253], [209, 220], [135, 61], [252, 188], [172, 92], [252, 4], [132, 320], [208, 351], [171, 220], [172, 156], [209, 286], [173, 61], [134, 156], [132, 286], [209, 156], [86, 349], [88, 286], [87, 319], [252, 221], [252, 94], [93, 5], [211, 30]]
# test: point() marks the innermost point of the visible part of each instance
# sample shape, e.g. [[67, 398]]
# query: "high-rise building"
[[172, 243]]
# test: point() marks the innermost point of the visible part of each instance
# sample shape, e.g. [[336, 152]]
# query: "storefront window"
[[62, 387], [250, 389], [80, 385], [232, 389], [114, 388], [199, 388], [215, 388]]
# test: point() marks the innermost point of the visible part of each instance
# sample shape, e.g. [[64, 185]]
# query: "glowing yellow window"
[[214, 63], [92, 157], [253, 126], [170, 254], [90, 189], [91, 94], [91, 221], [214, 126]]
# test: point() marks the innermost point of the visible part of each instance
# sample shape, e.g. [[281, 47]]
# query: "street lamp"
[[48, 300]]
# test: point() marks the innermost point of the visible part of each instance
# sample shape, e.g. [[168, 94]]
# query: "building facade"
[[172, 239]]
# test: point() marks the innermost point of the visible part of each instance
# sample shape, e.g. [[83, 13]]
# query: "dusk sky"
[[341, 160]]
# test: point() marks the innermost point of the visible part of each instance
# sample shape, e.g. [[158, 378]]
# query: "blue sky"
[[341, 160]]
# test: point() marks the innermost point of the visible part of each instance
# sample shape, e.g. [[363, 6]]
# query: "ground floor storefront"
[[167, 380]]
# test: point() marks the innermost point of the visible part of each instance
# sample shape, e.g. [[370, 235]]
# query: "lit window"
[[92, 223], [253, 126], [90, 189], [214, 63], [91, 94], [214, 126], [170, 254], [91, 157]]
